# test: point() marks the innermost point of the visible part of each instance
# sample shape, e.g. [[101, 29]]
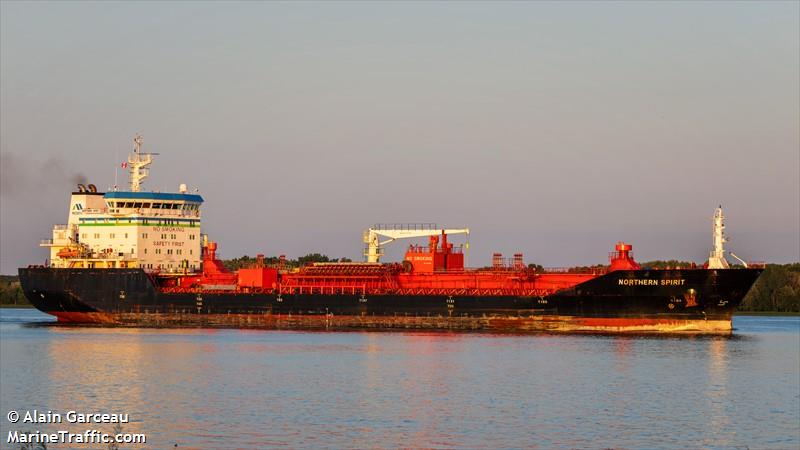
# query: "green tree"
[[312, 258], [777, 289], [786, 299], [11, 291]]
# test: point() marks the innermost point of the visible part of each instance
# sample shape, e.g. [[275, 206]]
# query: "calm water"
[[256, 389]]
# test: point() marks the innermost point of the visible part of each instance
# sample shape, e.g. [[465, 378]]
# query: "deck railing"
[[405, 226]]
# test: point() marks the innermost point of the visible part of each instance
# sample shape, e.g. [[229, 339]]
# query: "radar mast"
[[138, 163]]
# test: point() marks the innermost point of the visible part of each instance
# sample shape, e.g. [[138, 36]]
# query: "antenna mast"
[[139, 163], [716, 259]]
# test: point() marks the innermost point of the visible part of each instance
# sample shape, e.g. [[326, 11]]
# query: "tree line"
[[11, 292], [777, 289], [273, 261]]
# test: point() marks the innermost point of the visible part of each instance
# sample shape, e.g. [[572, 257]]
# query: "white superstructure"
[[151, 230]]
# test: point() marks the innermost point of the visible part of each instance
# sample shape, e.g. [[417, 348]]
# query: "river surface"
[[214, 389]]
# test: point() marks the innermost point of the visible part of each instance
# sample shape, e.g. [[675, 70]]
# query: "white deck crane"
[[373, 252]]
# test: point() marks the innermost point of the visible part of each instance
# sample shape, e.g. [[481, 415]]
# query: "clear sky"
[[554, 129]]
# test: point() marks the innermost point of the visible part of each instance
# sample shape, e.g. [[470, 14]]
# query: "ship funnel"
[[91, 188], [81, 188]]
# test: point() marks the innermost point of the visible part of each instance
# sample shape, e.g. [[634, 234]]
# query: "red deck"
[[437, 269]]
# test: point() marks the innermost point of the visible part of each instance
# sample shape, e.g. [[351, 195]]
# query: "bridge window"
[[137, 205], [156, 205], [146, 205]]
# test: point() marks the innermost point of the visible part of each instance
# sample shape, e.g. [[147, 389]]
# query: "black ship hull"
[[696, 301]]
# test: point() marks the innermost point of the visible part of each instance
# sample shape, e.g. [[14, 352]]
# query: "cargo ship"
[[137, 258]]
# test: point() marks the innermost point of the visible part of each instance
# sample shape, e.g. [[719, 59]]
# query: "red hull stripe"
[[83, 317], [332, 322]]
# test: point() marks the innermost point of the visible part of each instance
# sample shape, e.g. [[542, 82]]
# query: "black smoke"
[[20, 174]]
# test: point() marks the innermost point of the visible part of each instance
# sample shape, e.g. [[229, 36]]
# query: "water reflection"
[[257, 389], [717, 391], [89, 375]]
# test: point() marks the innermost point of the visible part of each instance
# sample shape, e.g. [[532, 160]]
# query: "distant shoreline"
[[767, 313]]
